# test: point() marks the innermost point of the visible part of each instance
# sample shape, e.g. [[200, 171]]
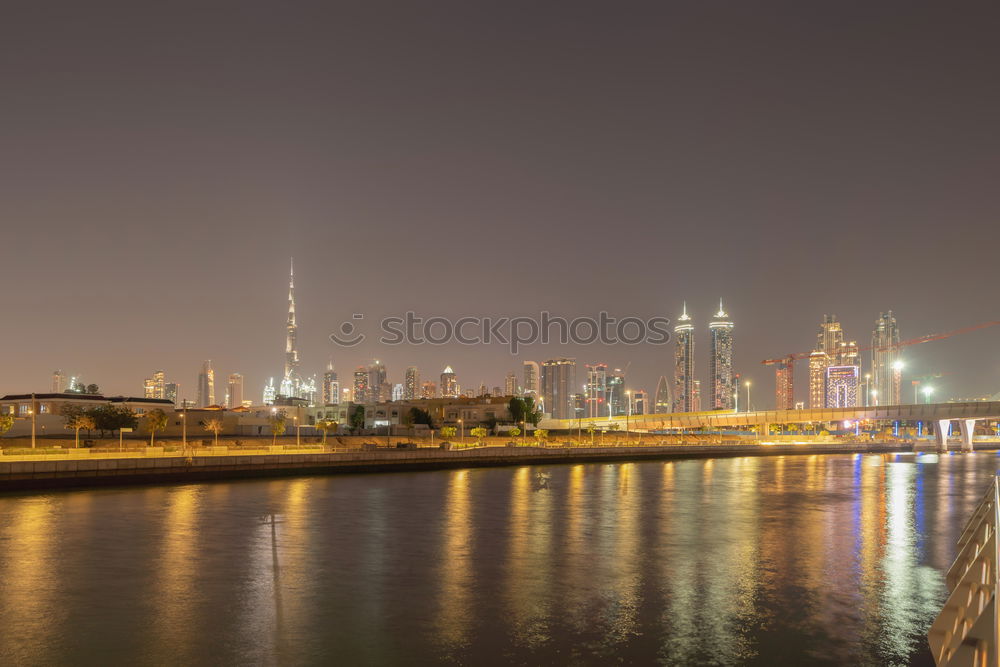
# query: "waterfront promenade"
[[73, 468]]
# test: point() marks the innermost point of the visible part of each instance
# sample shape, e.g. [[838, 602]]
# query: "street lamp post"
[[32, 412], [298, 441], [184, 426], [628, 412], [461, 432], [746, 383]]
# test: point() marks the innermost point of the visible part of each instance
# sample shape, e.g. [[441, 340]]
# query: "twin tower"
[[722, 385]]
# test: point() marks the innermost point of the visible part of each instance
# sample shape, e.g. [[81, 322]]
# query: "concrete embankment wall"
[[15, 475]]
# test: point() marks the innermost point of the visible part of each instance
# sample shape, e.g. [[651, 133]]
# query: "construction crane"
[[785, 365]]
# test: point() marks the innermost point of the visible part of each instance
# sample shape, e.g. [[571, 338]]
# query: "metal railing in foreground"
[[966, 630]]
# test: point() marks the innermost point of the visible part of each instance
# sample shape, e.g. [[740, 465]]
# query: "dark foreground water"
[[767, 560]]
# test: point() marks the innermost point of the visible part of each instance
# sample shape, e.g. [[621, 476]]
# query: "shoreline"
[[136, 471]]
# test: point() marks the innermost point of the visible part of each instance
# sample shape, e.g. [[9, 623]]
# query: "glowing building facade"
[[684, 364], [721, 362], [842, 386], [886, 369], [558, 383]]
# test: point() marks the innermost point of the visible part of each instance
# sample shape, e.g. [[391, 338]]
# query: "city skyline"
[[703, 176]]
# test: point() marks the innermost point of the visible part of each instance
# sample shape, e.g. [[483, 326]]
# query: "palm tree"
[[215, 426], [326, 425], [6, 423], [156, 420], [277, 421]]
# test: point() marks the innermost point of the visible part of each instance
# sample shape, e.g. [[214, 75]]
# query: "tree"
[[7, 423], [277, 421], [478, 433], [156, 420], [112, 418], [514, 432], [327, 425], [448, 431], [541, 435], [421, 416], [92, 389], [357, 418], [214, 425], [516, 408], [532, 414], [591, 429]]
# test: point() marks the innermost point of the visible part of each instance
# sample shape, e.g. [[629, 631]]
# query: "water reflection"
[[791, 559]]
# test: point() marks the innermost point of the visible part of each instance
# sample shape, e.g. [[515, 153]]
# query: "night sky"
[[161, 162]]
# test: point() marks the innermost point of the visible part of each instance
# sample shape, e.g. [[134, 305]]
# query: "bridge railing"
[[965, 631]]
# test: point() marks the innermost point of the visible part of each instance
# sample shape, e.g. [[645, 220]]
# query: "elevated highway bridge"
[[939, 414]]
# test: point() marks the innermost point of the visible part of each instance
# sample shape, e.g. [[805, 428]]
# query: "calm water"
[[791, 560]]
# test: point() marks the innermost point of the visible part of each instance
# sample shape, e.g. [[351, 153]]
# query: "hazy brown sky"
[[160, 162]]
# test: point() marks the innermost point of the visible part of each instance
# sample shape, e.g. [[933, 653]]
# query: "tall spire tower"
[[721, 361], [291, 342], [684, 363]]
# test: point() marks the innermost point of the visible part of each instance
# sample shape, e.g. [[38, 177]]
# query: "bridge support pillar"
[[941, 434], [968, 427]]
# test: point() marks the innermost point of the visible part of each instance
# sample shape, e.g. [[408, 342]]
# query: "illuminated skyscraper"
[[234, 391], [170, 391], [531, 375], [58, 382], [411, 384], [206, 385], [696, 396], [360, 385], [428, 389], [640, 402], [841, 386], [557, 387], [397, 391], [270, 392], [684, 363], [153, 387], [596, 390], [449, 384], [817, 379], [510, 385], [721, 361], [292, 377], [331, 386], [617, 405], [662, 402], [885, 360], [379, 388], [784, 387]]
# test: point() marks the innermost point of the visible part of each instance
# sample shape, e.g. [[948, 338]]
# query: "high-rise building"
[[510, 384], [58, 382], [558, 381], [662, 402], [234, 391], [206, 385], [640, 402], [784, 385], [411, 384], [331, 386], [817, 379], [361, 385], [684, 363], [617, 401], [696, 396], [270, 392], [170, 391], [842, 386], [721, 362], [153, 387], [379, 388], [428, 389], [596, 390], [531, 377], [579, 402], [292, 377], [449, 385], [397, 391], [886, 368]]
